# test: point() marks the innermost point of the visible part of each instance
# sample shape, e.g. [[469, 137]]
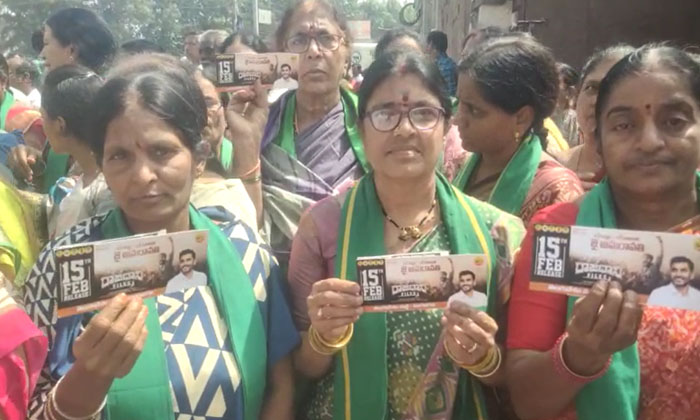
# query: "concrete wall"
[[453, 19]]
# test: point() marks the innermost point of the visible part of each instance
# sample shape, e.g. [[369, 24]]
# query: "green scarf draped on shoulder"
[[285, 137], [145, 391], [360, 388], [226, 154], [7, 101], [516, 179], [616, 394]]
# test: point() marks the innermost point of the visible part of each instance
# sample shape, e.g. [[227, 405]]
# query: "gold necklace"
[[413, 231]]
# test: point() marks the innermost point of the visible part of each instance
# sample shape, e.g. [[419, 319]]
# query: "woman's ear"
[[524, 118], [61, 125]]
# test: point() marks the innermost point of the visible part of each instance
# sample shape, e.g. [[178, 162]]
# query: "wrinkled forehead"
[[309, 19], [652, 88]]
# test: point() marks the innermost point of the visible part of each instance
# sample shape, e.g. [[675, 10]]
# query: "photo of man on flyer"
[[187, 277]]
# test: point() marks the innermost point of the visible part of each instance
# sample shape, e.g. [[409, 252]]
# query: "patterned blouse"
[[204, 376]]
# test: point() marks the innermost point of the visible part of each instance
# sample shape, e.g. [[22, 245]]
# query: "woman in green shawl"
[[416, 364], [215, 351], [507, 89], [605, 356]]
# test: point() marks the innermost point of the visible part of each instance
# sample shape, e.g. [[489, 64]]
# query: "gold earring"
[[517, 137]]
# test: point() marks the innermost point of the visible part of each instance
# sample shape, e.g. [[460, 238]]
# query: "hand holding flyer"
[[659, 266]]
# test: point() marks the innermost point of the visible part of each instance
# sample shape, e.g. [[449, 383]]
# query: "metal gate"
[[574, 28]]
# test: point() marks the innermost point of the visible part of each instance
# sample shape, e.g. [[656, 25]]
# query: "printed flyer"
[[660, 266], [422, 281], [148, 265], [275, 70]]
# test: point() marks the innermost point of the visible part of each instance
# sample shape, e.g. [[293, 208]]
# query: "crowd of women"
[[294, 192]]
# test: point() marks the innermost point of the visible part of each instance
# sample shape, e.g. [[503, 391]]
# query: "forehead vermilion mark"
[[647, 108], [404, 96]]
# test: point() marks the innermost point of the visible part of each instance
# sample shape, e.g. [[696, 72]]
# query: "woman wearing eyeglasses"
[[507, 88], [404, 365], [310, 145]]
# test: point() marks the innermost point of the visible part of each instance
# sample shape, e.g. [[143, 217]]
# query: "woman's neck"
[[405, 201], [177, 223], [495, 162], [658, 213], [87, 162], [312, 107]]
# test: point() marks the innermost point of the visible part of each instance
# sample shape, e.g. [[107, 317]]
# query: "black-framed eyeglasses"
[[422, 118], [300, 43]]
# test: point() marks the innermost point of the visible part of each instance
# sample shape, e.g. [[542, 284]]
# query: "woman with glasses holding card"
[[605, 356], [417, 364], [507, 88], [310, 143], [206, 351]]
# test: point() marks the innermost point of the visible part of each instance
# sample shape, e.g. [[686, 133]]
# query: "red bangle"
[[557, 354]]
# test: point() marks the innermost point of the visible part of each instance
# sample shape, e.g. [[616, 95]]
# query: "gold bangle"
[[477, 367], [492, 369], [320, 345], [251, 180]]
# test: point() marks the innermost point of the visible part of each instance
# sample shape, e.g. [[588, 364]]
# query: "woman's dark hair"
[[398, 63], [4, 70], [140, 46], [648, 56], [392, 35], [253, 42], [316, 5], [68, 93], [87, 32], [516, 71], [170, 92], [617, 50], [568, 74]]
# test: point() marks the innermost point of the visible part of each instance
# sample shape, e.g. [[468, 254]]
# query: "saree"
[[19, 231], [361, 234], [298, 170], [194, 363]]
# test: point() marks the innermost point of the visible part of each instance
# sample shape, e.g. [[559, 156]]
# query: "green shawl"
[[5, 105], [285, 138], [226, 154], [360, 389], [56, 168], [145, 391], [516, 179], [616, 394]]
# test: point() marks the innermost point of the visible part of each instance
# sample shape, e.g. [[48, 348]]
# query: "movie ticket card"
[[422, 281], [660, 266], [148, 265], [275, 70]]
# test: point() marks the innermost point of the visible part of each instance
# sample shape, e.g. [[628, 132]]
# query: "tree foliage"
[[164, 21]]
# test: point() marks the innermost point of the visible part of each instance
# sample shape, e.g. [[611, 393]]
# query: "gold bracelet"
[[479, 366], [252, 179], [320, 345], [492, 368]]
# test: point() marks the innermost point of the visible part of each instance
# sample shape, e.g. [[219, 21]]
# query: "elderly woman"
[[507, 88], [583, 359], [207, 351], [310, 144], [417, 364]]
